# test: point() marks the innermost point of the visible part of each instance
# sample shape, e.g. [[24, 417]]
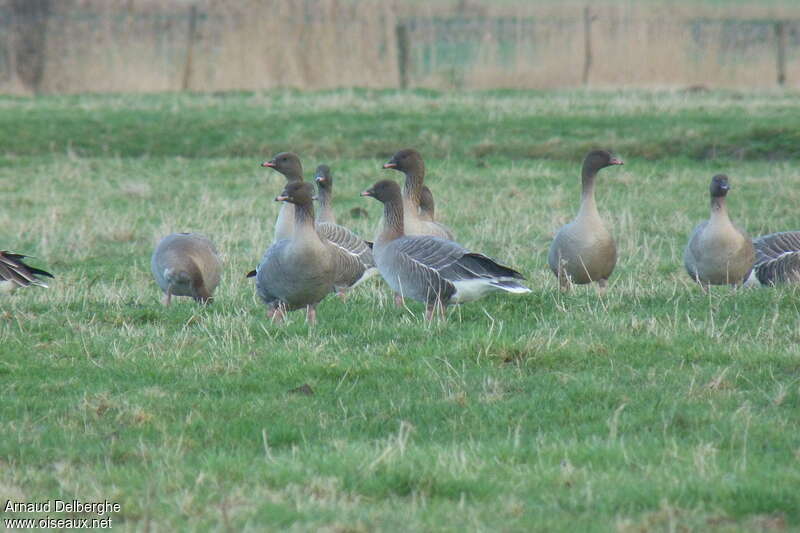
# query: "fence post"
[[187, 67], [587, 41], [401, 31], [780, 42]]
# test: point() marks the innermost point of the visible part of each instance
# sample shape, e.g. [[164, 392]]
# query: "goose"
[[288, 164], [410, 163], [718, 253], [301, 270], [432, 270], [186, 264], [340, 236], [14, 273], [324, 180], [777, 258], [584, 251]]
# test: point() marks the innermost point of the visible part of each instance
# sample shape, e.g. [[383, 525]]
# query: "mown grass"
[[655, 407]]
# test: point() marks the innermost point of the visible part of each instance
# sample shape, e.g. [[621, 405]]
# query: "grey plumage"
[[14, 273], [718, 253], [186, 264], [778, 258], [349, 272], [429, 269]]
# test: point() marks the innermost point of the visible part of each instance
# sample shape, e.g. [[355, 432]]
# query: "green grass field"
[[652, 408]]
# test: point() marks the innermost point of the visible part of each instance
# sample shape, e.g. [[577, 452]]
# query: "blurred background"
[[70, 46]]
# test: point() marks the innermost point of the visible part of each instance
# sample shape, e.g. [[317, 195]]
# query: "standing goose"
[[14, 273], [583, 251], [718, 253], [429, 269], [324, 181], [301, 270], [778, 258], [410, 163], [186, 264], [288, 164], [340, 236]]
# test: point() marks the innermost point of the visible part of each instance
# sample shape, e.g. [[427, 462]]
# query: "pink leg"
[[398, 300], [311, 315], [434, 309], [276, 314], [342, 295], [167, 298]]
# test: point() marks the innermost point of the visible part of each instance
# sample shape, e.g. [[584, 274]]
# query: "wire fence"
[[144, 45]]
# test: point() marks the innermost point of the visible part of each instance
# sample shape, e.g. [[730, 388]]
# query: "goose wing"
[[348, 242], [778, 258], [14, 270]]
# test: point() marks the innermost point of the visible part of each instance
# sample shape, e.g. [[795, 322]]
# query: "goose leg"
[[602, 286], [563, 280], [398, 300], [311, 315], [167, 298], [276, 314], [342, 294], [436, 308]]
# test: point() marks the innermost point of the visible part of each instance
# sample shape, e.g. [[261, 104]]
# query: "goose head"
[[384, 191], [297, 193], [597, 159], [719, 186], [288, 164], [407, 161]]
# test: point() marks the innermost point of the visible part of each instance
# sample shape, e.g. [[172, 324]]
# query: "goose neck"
[[392, 220]]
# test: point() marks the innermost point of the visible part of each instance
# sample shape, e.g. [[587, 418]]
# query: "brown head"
[[323, 178], [719, 186], [384, 191], [298, 193], [288, 164], [407, 161], [597, 159]]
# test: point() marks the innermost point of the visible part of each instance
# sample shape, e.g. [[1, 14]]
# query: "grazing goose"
[[429, 269], [324, 194], [718, 253], [288, 164], [583, 251], [14, 273], [410, 163], [186, 264], [778, 258], [301, 270]]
